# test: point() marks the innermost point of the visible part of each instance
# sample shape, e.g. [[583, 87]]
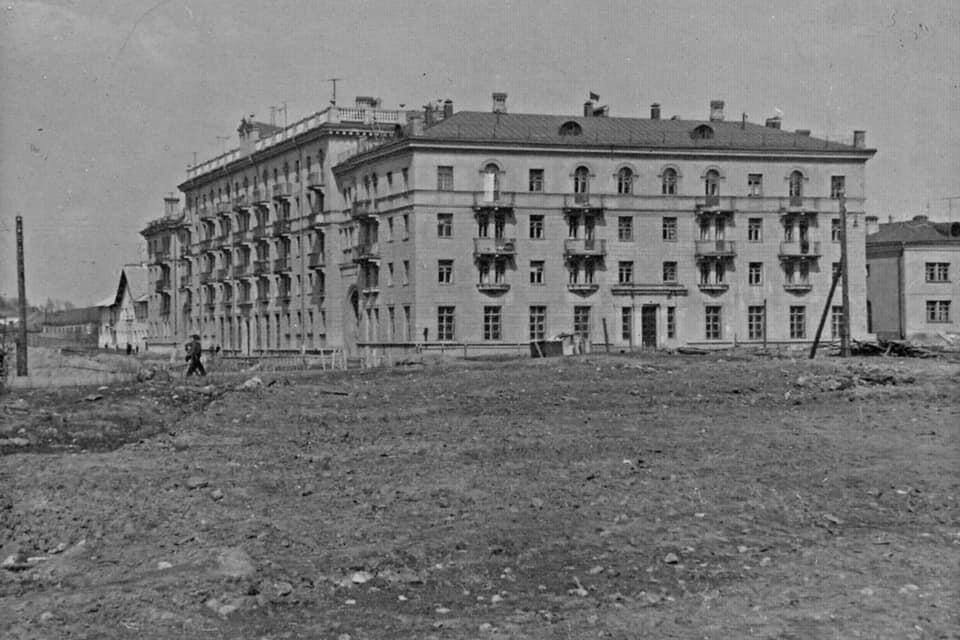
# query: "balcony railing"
[[582, 287], [371, 289], [204, 277], [241, 202], [315, 180], [583, 202], [493, 287], [366, 251], [223, 208], [281, 190], [713, 287], [316, 259], [715, 248], [260, 196], [362, 208], [493, 200], [160, 255], [494, 246], [281, 227], [206, 212], [240, 270], [281, 264], [262, 231], [799, 205], [797, 287], [261, 267], [584, 247], [800, 249]]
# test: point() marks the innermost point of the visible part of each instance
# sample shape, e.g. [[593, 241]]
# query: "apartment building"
[[913, 271], [494, 229], [245, 262]]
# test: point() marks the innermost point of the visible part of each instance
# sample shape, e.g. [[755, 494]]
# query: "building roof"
[[607, 131], [920, 230], [138, 279]]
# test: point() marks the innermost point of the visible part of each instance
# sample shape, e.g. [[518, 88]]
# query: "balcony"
[[363, 208], [245, 300], [221, 274], [315, 220], [261, 267], [204, 277], [653, 288], [793, 205], [366, 252], [493, 287], [281, 227], [281, 190], [261, 231], [260, 196], [495, 247], [708, 203], [583, 288], [492, 200], [162, 285], [240, 271], [160, 256], [185, 281], [585, 247], [797, 287], [241, 202], [713, 287], [803, 249], [206, 212], [316, 259], [242, 236], [317, 296], [223, 208], [371, 289], [281, 265], [583, 203], [315, 181], [715, 249]]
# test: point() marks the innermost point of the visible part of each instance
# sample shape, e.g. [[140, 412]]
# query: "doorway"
[[648, 325]]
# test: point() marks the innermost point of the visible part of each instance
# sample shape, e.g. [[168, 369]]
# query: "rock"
[[253, 383], [181, 443], [196, 482], [15, 562], [306, 490], [578, 590], [235, 563], [496, 598], [146, 374], [832, 518], [93, 397], [207, 390], [361, 577], [283, 588], [671, 558], [163, 564], [46, 617], [595, 570], [442, 610], [216, 494], [14, 442], [486, 626]]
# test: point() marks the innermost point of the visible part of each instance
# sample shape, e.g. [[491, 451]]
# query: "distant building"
[[913, 279], [123, 315], [79, 326]]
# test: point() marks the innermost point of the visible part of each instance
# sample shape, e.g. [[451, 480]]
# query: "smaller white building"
[[123, 316]]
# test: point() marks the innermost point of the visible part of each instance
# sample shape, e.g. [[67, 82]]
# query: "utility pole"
[[22, 290], [845, 281]]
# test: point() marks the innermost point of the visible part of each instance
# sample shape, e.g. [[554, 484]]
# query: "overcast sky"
[[104, 102]]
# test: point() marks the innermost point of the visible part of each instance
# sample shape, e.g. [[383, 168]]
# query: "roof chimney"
[[415, 121], [447, 108], [588, 108], [499, 102], [860, 139], [803, 133], [774, 122], [872, 224], [655, 111], [170, 205], [716, 111]]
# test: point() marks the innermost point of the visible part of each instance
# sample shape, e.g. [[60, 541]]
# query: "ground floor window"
[[755, 322], [581, 322], [938, 311], [671, 322], [712, 323], [491, 323], [627, 322], [798, 322], [538, 323], [446, 327], [836, 320]]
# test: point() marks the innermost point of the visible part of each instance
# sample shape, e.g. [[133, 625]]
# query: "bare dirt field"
[[721, 496]]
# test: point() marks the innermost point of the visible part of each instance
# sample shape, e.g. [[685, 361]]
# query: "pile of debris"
[[866, 377], [898, 348]]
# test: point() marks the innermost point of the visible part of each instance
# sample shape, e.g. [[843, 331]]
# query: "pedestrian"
[[129, 348], [194, 353]]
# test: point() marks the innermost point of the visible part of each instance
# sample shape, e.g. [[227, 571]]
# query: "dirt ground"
[[656, 496]]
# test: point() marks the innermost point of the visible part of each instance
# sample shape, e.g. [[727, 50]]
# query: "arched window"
[[669, 182], [711, 183], [286, 171], [625, 180], [571, 128], [703, 132], [276, 177], [581, 180], [796, 185], [491, 182], [265, 177]]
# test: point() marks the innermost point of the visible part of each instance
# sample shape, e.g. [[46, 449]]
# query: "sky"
[[103, 103]]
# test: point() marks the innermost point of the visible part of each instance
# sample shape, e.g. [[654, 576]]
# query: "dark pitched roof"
[[916, 231], [545, 129]]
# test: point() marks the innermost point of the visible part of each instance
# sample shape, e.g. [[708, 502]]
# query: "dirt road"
[[654, 497]]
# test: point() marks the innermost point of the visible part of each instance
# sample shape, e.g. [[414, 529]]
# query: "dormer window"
[[702, 132], [571, 128]]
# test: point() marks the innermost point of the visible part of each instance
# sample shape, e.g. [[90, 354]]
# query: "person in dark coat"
[[194, 352]]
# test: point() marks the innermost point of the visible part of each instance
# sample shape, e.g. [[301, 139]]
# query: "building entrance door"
[[648, 325]]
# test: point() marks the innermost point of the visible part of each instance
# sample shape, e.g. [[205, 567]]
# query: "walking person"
[[194, 352]]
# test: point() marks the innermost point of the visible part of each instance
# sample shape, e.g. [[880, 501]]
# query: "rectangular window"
[[626, 321], [755, 273], [669, 271], [536, 180], [406, 273], [392, 327], [835, 230], [670, 229], [755, 185], [798, 322], [836, 319], [938, 311], [538, 323], [444, 178], [581, 322], [444, 225], [711, 322], [671, 322], [937, 271], [389, 274], [536, 272], [536, 227], [406, 226], [491, 323], [446, 327], [755, 230], [625, 228], [625, 272], [838, 185], [390, 229], [755, 322], [445, 271]]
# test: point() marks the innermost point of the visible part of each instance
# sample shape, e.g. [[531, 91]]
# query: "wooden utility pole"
[[22, 291], [845, 281], [823, 316]]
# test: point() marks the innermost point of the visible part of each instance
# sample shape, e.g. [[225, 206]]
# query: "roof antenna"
[[334, 81]]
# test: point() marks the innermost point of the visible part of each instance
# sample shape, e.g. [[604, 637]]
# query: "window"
[[670, 229], [446, 327], [938, 311], [491, 323], [669, 187], [671, 322], [406, 272], [538, 323], [390, 229], [406, 226], [625, 181], [536, 272], [836, 320], [444, 225], [392, 326], [755, 273], [838, 185], [491, 182], [711, 321], [581, 180], [711, 183], [536, 180], [754, 185], [835, 229], [389, 274], [536, 227], [755, 322], [626, 322], [405, 173], [570, 128], [798, 322], [445, 271], [444, 178], [625, 228], [625, 272], [937, 271], [755, 230], [581, 322], [407, 321], [669, 271]]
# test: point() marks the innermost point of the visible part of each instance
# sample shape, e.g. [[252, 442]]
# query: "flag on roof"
[[594, 96]]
